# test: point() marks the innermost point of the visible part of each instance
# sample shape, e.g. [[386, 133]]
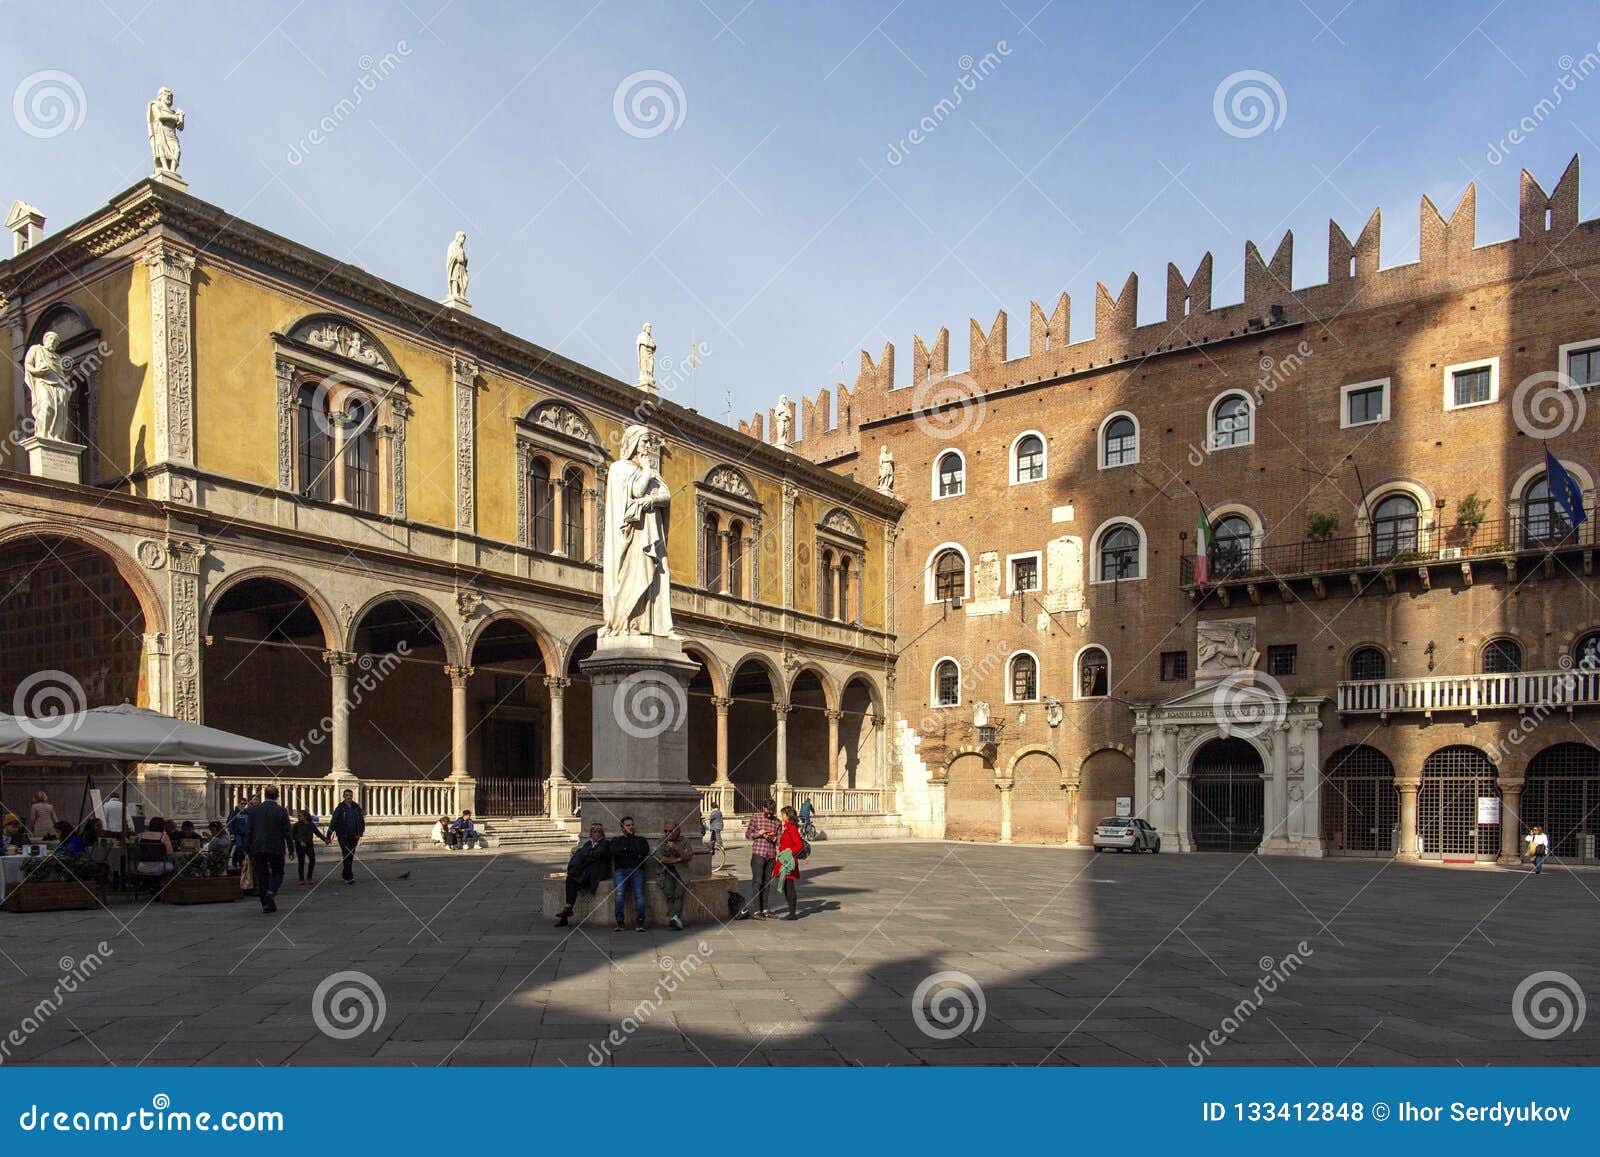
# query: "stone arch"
[[710, 665], [1038, 803], [1360, 803], [441, 621], [332, 632], [768, 664], [1106, 773], [972, 799], [331, 334], [548, 648], [150, 602], [862, 748], [830, 693]]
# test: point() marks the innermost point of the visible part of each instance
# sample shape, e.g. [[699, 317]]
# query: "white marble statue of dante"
[[164, 123], [885, 470], [48, 389], [637, 588], [782, 422], [646, 344], [455, 267]]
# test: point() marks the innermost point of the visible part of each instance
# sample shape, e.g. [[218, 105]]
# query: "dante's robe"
[[637, 596]]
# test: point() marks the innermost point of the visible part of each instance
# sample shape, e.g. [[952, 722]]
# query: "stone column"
[[459, 678], [556, 782], [1071, 787], [790, 494], [558, 508], [723, 704], [171, 365], [1005, 786], [339, 716], [1181, 806], [183, 564], [834, 716], [1275, 828], [880, 752], [780, 788], [1408, 819], [1510, 821], [157, 692]]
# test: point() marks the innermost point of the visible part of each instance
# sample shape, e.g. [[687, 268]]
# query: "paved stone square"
[[1072, 959]]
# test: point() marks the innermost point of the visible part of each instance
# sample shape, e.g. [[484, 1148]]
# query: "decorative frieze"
[[171, 351]]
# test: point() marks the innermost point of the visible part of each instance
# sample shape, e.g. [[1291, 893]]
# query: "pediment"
[[563, 419], [341, 338]]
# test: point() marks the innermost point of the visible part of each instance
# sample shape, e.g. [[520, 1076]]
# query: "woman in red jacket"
[[787, 866]]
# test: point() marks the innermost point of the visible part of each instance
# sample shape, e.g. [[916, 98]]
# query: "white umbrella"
[[135, 734]]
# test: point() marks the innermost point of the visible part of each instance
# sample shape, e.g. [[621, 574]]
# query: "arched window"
[[844, 589], [825, 585], [1094, 673], [1231, 535], [1543, 520], [1029, 456], [572, 514], [360, 438], [1369, 663], [1119, 552], [1395, 522], [542, 506], [711, 530], [314, 442], [1024, 678], [947, 683], [736, 559], [1230, 422], [1502, 657], [1586, 652], [950, 475], [1120, 442], [949, 575]]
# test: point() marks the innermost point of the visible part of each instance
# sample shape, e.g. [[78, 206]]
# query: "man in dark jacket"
[[629, 851], [590, 863], [349, 823], [269, 843]]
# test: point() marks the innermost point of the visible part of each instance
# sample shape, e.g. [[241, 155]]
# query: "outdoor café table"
[[11, 868]]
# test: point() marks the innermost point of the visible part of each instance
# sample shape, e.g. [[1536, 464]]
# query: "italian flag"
[[1202, 547]]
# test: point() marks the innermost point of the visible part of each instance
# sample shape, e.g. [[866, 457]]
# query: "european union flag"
[[1564, 489]]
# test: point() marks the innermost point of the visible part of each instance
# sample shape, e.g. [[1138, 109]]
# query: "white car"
[[1126, 835]]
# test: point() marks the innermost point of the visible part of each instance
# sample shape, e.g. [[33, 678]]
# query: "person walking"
[[1538, 848], [306, 835], [673, 853], [714, 826], [349, 824], [762, 831], [629, 851], [589, 864], [806, 812], [792, 849], [270, 841], [238, 826]]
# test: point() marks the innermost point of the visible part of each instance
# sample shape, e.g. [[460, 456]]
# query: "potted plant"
[[1470, 512], [1320, 529], [54, 883], [201, 878]]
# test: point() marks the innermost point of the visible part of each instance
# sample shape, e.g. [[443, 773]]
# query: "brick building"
[[1384, 648]]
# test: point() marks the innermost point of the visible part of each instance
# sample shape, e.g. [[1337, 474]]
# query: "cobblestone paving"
[[1069, 958]]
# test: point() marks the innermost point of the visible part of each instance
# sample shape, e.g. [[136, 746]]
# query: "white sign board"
[[1124, 805], [1488, 809]]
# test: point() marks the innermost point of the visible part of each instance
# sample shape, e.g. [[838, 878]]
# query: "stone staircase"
[[506, 834]]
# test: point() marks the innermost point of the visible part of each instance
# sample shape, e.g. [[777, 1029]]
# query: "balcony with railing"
[[1540, 691], [1391, 548]]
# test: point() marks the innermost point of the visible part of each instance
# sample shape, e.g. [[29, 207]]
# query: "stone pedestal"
[[456, 301], [170, 179], [641, 769], [706, 903], [48, 458]]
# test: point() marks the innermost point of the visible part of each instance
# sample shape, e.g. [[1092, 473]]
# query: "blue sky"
[[767, 220]]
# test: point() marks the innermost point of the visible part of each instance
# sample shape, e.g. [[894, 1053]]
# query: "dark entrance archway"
[[578, 709], [508, 721], [400, 728], [1562, 796], [752, 735], [264, 673], [1457, 782], [807, 731], [1360, 804], [1227, 800]]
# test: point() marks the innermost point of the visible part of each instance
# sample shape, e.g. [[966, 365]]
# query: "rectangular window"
[[1583, 366], [1281, 658], [1025, 573], [1474, 383], [1174, 666], [1365, 403]]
